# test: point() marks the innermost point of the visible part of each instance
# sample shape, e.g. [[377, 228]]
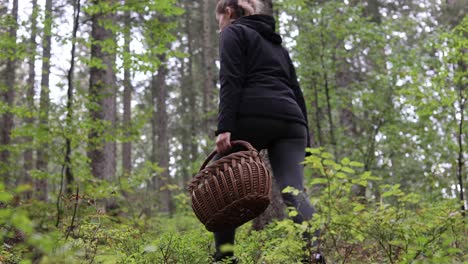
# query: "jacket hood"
[[263, 24]]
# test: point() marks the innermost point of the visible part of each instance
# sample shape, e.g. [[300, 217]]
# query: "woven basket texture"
[[232, 190]]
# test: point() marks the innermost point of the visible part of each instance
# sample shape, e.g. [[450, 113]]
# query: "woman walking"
[[260, 102]]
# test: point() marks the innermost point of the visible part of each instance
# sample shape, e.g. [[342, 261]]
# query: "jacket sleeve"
[[231, 77], [298, 94]]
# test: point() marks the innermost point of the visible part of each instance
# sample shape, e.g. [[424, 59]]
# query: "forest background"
[[108, 109]]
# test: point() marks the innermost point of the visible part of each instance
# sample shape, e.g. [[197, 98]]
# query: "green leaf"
[[341, 175], [23, 188], [329, 162], [316, 181], [327, 155], [345, 161], [358, 207], [5, 197], [21, 221], [291, 190], [292, 213], [348, 170], [313, 150], [356, 164]]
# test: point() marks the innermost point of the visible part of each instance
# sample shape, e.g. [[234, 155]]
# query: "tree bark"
[[327, 88], [8, 97], [317, 115], [455, 10], [192, 94], [209, 79], [43, 151], [127, 99], [102, 83], [162, 139], [460, 164], [186, 87], [28, 155], [70, 77]]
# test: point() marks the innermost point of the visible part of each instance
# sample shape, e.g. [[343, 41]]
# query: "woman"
[[260, 102]]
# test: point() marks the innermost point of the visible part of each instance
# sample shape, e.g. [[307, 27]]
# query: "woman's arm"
[[231, 76]]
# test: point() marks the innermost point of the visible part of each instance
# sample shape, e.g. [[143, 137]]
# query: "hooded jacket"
[[257, 76]]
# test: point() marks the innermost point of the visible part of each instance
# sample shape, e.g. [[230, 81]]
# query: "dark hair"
[[240, 7]]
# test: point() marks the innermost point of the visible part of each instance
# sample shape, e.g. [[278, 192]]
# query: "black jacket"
[[257, 76]]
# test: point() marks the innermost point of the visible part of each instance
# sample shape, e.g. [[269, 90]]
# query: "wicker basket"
[[232, 190]]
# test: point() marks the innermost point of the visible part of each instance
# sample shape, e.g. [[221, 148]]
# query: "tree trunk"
[[318, 116], [127, 100], [43, 151], [102, 98], [28, 153], [192, 94], [162, 139], [70, 76], [209, 79], [456, 9], [8, 97], [186, 86]]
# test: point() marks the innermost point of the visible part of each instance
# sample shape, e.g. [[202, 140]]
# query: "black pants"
[[286, 143]]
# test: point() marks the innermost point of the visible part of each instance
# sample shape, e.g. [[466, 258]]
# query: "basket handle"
[[242, 143]]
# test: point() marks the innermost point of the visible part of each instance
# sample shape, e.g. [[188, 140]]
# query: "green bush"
[[396, 227]]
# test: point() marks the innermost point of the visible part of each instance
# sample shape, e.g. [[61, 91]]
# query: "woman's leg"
[[285, 158], [286, 155], [225, 237]]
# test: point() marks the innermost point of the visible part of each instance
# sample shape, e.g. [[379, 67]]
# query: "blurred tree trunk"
[[209, 78], [127, 99], [43, 151], [192, 95], [372, 11], [456, 11], [187, 88], [102, 96], [28, 154], [163, 139], [155, 182], [161, 145], [70, 91], [8, 96]]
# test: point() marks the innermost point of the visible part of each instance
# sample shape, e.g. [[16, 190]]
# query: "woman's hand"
[[223, 142]]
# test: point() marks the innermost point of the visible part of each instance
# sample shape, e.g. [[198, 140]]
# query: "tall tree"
[[44, 102], [162, 140], [209, 79], [187, 88], [29, 120], [457, 18], [127, 98], [70, 92], [102, 83], [8, 94], [192, 94]]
